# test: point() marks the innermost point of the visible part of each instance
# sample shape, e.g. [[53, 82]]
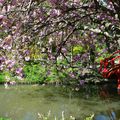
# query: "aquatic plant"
[[48, 116], [90, 117]]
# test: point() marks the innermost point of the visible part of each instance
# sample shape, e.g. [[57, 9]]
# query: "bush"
[[34, 72], [1, 118], [2, 77]]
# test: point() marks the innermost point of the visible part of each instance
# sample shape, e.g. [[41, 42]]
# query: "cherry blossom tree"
[[64, 33]]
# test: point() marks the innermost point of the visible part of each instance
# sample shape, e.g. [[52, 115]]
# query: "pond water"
[[29, 102]]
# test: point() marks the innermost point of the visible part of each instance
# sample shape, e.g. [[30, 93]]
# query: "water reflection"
[[107, 91], [25, 102], [29, 116], [111, 115]]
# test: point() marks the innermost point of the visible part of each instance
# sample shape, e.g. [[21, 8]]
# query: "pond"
[[30, 102]]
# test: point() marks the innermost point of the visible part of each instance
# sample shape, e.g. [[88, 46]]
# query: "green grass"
[[1, 118]]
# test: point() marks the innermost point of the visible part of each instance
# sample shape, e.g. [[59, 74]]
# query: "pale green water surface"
[[25, 102]]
